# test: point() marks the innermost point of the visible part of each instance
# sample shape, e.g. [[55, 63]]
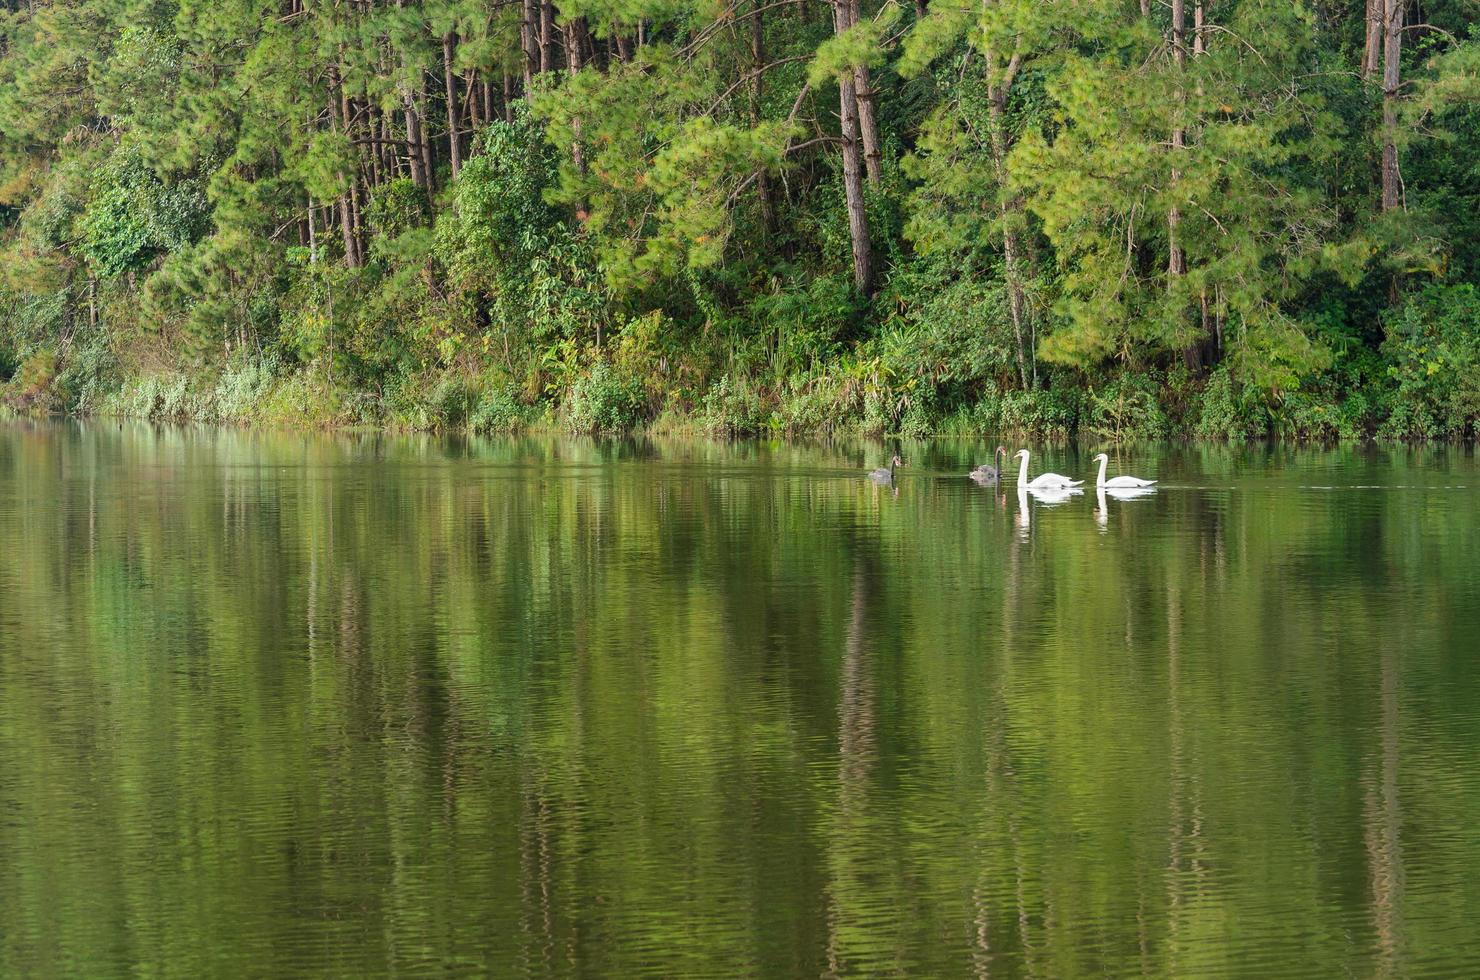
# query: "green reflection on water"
[[276, 703]]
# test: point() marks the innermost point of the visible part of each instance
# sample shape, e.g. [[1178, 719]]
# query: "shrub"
[[32, 388], [735, 408], [1224, 411], [89, 373], [396, 207], [499, 411], [133, 216], [1433, 351], [1035, 413], [1127, 408], [604, 400]]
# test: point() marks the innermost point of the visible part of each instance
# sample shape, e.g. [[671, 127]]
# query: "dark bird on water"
[[886, 476], [987, 473]]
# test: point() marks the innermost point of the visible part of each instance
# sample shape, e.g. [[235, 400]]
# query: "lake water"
[[280, 704]]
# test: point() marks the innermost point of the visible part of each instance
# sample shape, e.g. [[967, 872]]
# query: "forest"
[[1217, 218]]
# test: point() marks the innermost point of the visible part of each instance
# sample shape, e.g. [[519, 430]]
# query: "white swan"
[[1043, 481], [1119, 482]]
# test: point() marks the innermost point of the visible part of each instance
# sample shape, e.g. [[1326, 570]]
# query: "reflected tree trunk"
[[1383, 817], [857, 752]]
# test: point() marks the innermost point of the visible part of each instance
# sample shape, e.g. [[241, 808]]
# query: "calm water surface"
[[277, 704]]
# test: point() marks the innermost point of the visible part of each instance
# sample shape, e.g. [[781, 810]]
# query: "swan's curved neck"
[[1101, 481], [1023, 470]]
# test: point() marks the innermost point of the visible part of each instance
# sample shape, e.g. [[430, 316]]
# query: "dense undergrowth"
[[1424, 384]]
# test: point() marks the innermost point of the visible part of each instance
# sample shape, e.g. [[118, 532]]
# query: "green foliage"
[[498, 411], [604, 400], [396, 208], [31, 387], [89, 374], [133, 217], [1128, 408], [734, 408], [1226, 411], [1433, 350], [1072, 229]]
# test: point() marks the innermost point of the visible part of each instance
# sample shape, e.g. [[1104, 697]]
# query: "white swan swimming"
[[1043, 481], [1119, 482]]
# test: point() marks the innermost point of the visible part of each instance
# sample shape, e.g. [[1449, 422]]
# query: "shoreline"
[[470, 406]]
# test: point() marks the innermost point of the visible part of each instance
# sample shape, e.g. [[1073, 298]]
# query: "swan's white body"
[[1119, 482], [1043, 481], [1129, 493]]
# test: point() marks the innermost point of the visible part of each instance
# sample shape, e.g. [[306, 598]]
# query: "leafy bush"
[[1036, 413], [498, 411], [735, 408], [88, 376], [133, 217], [243, 386], [802, 320], [605, 401], [32, 387], [1433, 350], [1128, 407], [1320, 417], [397, 207], [1226, 411]]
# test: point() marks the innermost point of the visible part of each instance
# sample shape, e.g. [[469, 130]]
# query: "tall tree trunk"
[[868, 126], [414, 142], [1372, 49], [420, 173], [547, 36], [1176, 260], [339, 122], [529, 29], [428, 164], [473, 104], [449, 81], [347, 228], [313, 235], [853, 165], [1203, 353], [1009, 207], [372, 119], [573, 51], [757, 95], [1392, 57]]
